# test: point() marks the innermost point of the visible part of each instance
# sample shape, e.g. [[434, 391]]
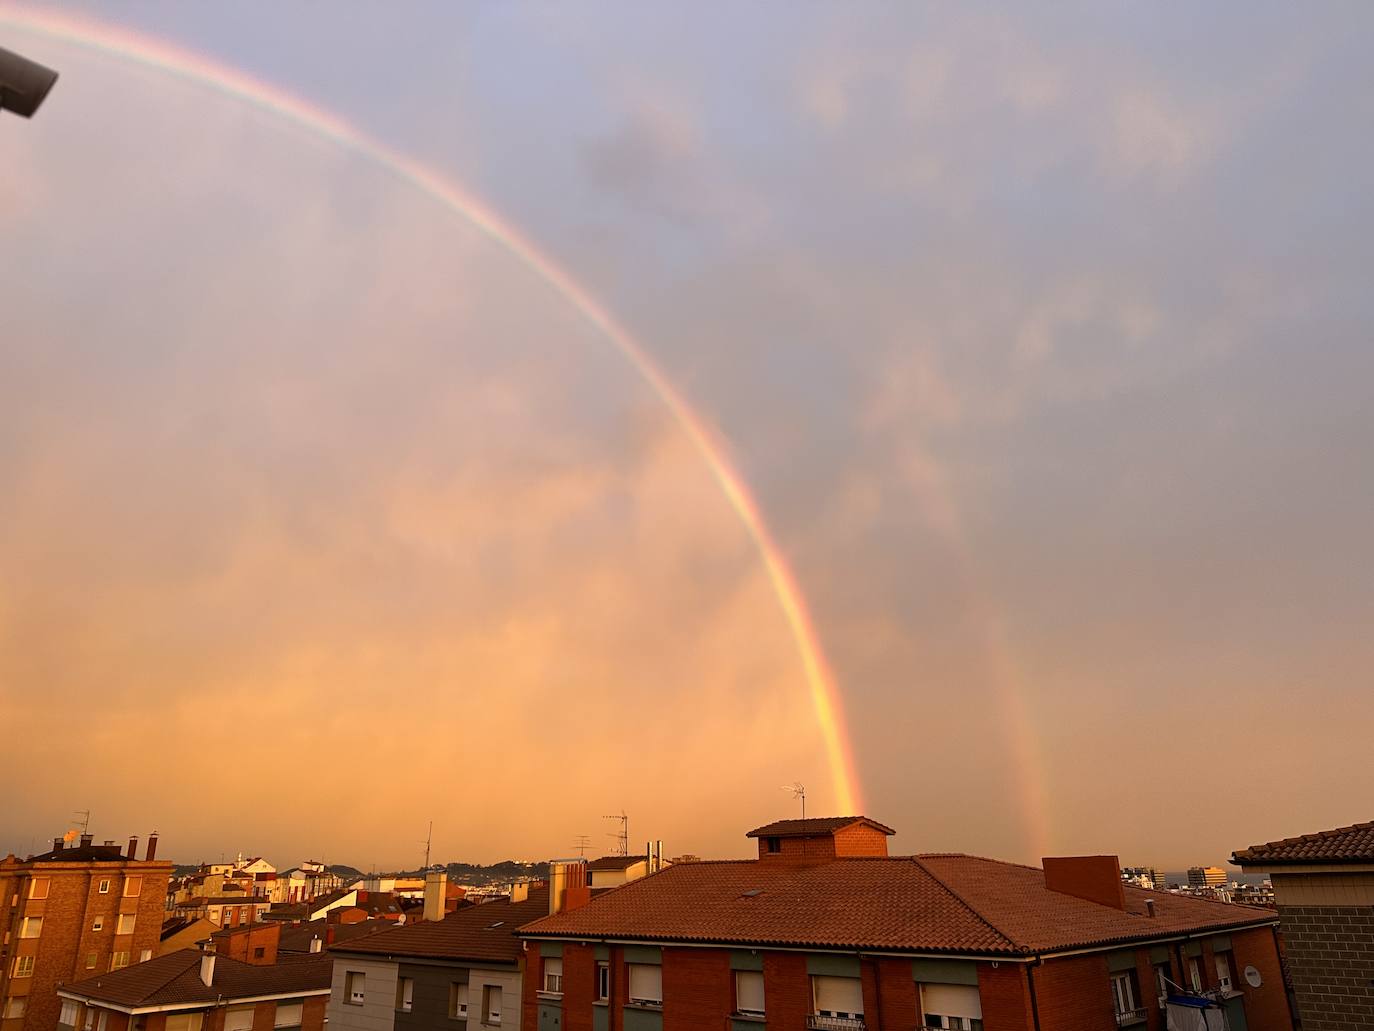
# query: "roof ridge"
[[1015, 945]]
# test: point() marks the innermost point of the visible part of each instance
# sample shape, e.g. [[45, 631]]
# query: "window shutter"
[[838, 996], [748, 991], [646, 982], [288, 1015], [951, 1000], [240, 1019]]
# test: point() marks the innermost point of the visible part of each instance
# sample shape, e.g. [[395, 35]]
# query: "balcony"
[[1129, 1018], [818, 1023]]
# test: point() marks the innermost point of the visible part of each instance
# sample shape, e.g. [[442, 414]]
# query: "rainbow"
[[165, 57]]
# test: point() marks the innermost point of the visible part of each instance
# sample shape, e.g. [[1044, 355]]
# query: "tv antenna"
[[798, 790], [582, 843], [85, 815], [429, 839], [623, 838]]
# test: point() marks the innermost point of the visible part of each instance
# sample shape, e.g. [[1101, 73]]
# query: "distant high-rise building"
[[1206, 877], [69, 914]]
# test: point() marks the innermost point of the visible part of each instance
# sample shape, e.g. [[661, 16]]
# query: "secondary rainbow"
[[155, 53]]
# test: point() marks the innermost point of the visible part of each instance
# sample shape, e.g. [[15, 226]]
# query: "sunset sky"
[[1042, 341]]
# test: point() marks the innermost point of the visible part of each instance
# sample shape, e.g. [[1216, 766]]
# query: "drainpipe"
[[1030, 979]]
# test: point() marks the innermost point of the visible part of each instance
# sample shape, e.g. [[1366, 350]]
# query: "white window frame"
[[238, 1018], [458, 1000], [98, 924], [552, 975], [492, 996], [126, 922], [750, 1011], [285, 1011], [603, 981], [119, 960], [23, 967], [643, 998], [15, 1007], [818, 980], [31, 927], [104, 886], [1124, 994], [70, 1008], [405, 994], [355, 987], [136, 883], [33, 887], [1223, 964]]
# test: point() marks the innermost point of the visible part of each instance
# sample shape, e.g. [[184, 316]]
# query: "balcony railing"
[[819, 1023], [1125, 1018]]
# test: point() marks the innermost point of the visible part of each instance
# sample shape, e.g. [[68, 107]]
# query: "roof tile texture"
[[1353, 844]]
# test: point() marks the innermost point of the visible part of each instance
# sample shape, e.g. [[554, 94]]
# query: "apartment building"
[[252, 988], [1323, 887], [1206, 877], [77, 910], [825, 931], [456, 971]]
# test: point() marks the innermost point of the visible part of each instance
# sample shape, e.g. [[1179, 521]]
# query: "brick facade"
[[1331, 958], [69, 948]]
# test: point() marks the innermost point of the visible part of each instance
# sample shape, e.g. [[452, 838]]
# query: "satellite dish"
[[1252, 977]]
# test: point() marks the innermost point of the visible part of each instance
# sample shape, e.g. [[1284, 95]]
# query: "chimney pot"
[[207, 964], [58, 844], [86, 839], [152, 846], [133, 853], [1150, 907], [316, 944]]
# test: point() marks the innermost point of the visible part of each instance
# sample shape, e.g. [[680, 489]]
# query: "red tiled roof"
[[482, 932], [1353, 844], [930, 903], [815, 825], [175, 978]]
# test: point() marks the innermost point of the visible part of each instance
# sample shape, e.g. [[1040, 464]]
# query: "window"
[[405, 994], [1126, 996], [353, 988], [89, 1022], [98, 924], [31, 927], [458, 1001], [772, 844], [104, 888], [553, 975], [956, 1007], [646, 984], [603, 982], [126, 924], [90, 960], [38, 887], [239, 1019], [184, 1021], [145, 955], [259, 952], [15, 1007], [288, 1015], [1223, 971], [23, 966], [119, 961], [749, 993], [838, 997], [102, 1020], [491, 1003], [1194, 975], [69, 1012], [133, 887]]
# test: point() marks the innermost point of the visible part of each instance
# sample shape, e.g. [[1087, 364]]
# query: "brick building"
[[77, 910], [249, 988], [1324, 890], [825, 931]]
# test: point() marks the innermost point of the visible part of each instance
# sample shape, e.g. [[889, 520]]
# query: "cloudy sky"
[[1042, 341]]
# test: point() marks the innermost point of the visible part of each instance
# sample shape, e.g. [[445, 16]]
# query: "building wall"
[[1004, 993], [430, 997], [68, 937], [378, 1010], [1267, 1005], [860, 840], [1331, 959]]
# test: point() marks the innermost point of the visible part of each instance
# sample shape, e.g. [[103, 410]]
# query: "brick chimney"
[[1094, 878], [133, 853], [152, 847], [569, 887]]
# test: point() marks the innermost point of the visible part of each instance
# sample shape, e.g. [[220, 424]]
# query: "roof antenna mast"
[[623, 838], [798, 790]]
